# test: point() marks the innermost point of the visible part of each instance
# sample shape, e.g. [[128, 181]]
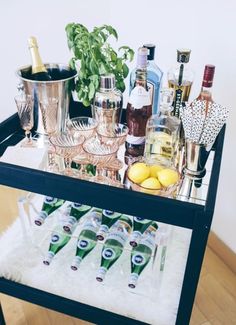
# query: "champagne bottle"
[[76, 212], [114, 245], [108, 219], [50, 204], [87, 238], [39, 71], [139, 226], [58, 240], [141, 254]]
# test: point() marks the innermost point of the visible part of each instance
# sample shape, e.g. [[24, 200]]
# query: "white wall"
[[205, 26]]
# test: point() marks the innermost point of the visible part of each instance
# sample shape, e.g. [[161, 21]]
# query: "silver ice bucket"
[[60, 87]]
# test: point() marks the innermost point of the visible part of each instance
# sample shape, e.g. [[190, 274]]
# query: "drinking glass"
[[67, 146], [49, 110], [116, 135], [25, 107], [99, 154]]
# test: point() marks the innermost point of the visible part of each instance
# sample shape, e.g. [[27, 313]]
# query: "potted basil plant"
[[93, 56]]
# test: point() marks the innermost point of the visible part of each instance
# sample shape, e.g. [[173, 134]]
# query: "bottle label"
[[103, 229], [138, 259], [80, 207], [71, 221], [108, 254], [141, 220], [83, 244], [50, 200], [55, 238], [139, 97], [135, 140]]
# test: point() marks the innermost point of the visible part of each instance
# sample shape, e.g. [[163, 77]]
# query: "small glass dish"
[[169, 191]]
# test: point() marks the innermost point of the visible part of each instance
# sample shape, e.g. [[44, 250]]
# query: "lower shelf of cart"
[[154, 301]]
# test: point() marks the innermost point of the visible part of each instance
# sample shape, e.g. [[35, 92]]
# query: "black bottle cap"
[[183, 55], [151, 48]]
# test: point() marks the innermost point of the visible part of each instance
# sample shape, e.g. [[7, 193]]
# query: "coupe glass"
[[25, 107], [99, 154], [67, 146], [82, 125], [49, 110], [116, 136], [112, 171]]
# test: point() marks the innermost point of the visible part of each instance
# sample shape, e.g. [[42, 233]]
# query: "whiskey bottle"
[[50, 204], [141, 254], [76, 212], [108, 219], [87, 238], [39, 71], [139, 109], [58, 240], [139, 226], [114, 245], [180, 78]]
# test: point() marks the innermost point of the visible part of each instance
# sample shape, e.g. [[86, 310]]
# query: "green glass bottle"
[[58, 240], [140, 225], [50, 204], [108, 219], [114, 245], [76, 212], [87, 238], [141, 254]]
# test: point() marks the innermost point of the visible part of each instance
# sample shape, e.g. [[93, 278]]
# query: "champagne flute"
[[25, 107]]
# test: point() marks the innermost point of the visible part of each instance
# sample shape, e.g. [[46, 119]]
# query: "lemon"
[[138, 172], [151, 183], [167, 177], [154, 169]]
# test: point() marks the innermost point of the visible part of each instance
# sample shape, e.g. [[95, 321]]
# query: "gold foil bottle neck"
[[32, 42]]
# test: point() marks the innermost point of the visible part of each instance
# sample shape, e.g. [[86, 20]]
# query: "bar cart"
[[195, 217]]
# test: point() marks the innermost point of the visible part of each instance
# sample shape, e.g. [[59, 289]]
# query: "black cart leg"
[[2, 320]]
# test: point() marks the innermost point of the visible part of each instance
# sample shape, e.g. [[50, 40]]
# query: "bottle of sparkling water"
[[76, 212], [108, 219], [58, 240], [87, 238], [139, 226], [114, 245], [141, 254], [50, 204]]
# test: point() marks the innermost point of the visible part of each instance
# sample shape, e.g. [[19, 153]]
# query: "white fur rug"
[[154, 301]]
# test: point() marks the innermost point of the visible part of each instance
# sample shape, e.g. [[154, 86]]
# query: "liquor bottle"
[[180, 78], [58, 240], [108, 219], [207, 82], [50, 204], [139, 226], [87, 238], [39, 71], [139, 109], [75, 213], [162, 132], [141, 254], [114, 245]]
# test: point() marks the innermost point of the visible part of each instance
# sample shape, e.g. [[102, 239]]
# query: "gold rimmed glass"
[[25, 108]]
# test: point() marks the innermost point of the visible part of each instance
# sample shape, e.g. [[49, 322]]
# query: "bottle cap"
[[107, 82], [208, 75], [39, 220], [142, 58], [133, 280], [76, 263], [101, 274], [151, 48], [183, 55], [48, 258], [102, 232]]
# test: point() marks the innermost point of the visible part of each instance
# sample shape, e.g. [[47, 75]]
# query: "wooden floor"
[[215, 302]]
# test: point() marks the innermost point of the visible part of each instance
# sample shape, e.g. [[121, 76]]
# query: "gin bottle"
[[58, 240], [139, 226], [162, 133], [76, 212], [108, 219], [139, 109], [50, 204], [114, 245], [87, 238], [180, 78], [141, 254]]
